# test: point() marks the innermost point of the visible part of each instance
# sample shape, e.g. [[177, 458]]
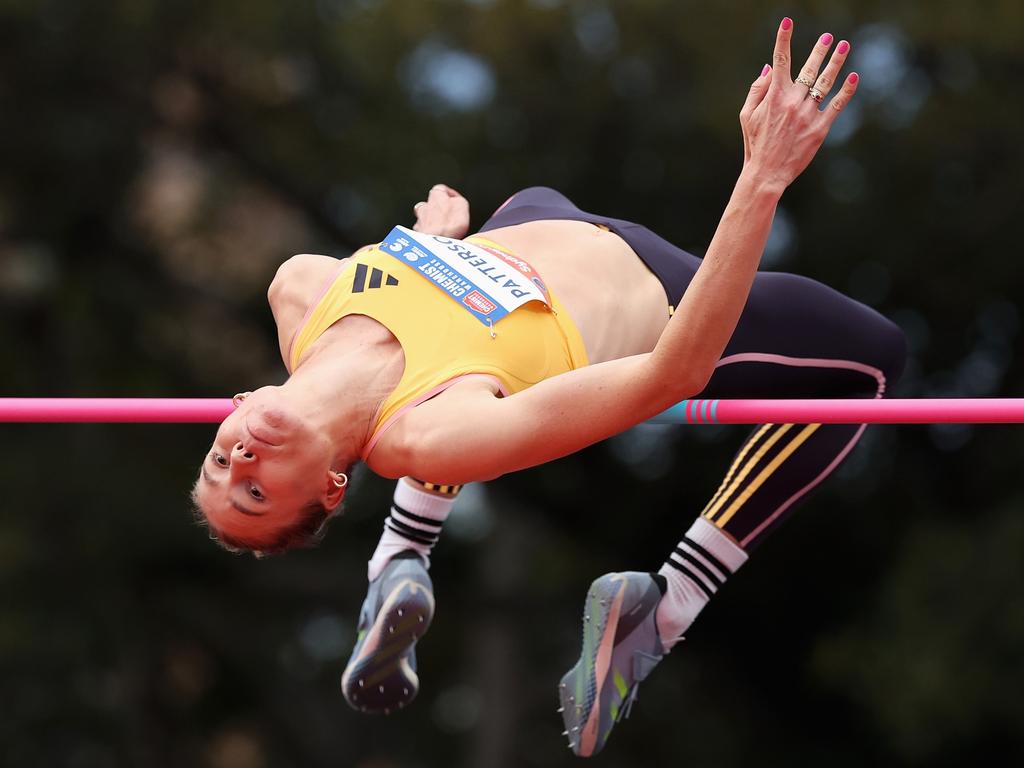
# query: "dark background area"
[[160, 159]]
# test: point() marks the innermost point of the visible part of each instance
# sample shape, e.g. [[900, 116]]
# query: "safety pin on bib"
[[490, 327]]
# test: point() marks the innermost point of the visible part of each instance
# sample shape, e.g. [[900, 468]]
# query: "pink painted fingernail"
[[766, 70], [854, 77], [787, 23], [843, 47], [826, 39]]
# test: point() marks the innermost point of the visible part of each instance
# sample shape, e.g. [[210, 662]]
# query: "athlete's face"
[[265, 465]]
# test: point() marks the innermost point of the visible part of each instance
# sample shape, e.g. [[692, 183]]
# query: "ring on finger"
[[815, 94], [805, 80]]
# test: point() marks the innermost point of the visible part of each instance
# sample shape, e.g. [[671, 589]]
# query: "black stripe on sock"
[[409, 533], [413, 529], [715, 580], [360, 280], [722, 568], [395, 509], [435, 535], [691, 576]]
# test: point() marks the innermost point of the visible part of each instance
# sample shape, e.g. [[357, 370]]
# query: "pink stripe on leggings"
[[806, 362], [796, 496]]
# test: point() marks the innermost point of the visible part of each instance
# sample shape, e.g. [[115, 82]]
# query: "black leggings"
[[796, 338]]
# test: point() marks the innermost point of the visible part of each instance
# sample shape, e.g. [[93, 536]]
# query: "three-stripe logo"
[[377, 277]]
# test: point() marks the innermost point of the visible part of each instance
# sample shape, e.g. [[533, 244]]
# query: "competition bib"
[[484, 281]]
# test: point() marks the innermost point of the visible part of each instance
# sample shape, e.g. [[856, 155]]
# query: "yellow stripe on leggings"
[[739, 460], [783, 429], [784, 454]]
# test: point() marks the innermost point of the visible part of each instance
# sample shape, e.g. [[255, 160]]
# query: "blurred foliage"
[[160, 159]]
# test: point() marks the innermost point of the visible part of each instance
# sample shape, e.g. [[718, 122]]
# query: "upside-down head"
[[267, 483]]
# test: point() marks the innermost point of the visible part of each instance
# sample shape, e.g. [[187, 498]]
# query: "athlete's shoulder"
[[302, 277], [299, 273], [298, 282]]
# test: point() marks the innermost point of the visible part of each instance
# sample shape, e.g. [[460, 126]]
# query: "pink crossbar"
[[154, 410], [212, 410]]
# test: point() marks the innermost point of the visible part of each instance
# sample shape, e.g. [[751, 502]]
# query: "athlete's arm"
[[478, 436], [467, 433]]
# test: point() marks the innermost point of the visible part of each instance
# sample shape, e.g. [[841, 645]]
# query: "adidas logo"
[[376, 276]]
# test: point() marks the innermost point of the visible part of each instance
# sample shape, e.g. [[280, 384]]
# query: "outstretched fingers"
[[755, 96], [757, 91], [781, 58], [809, 73], [781, 132], [828, 77], [840, 100]]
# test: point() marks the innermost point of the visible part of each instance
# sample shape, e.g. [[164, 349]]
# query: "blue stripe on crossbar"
[[704, 412]]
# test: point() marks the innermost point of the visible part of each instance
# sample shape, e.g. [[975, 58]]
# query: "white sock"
[[417, 512], [700, 565]]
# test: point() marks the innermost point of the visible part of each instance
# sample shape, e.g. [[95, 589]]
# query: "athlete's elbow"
[[696, 382], [684, 389], [677, 381]]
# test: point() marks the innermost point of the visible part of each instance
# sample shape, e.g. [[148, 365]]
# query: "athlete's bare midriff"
[[617, 303]]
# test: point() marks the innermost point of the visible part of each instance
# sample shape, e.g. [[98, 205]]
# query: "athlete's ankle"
[[696, 570], [417, 513]]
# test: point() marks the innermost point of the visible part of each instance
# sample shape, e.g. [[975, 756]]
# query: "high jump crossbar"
[[162, 410]]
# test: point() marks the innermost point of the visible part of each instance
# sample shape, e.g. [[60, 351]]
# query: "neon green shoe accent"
[[590, 711], [622, 687], [620, 684]]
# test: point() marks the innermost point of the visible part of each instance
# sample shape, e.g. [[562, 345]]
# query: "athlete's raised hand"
[[783, 124], [445, 212]]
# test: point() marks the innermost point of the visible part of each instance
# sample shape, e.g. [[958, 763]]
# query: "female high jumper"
[[441, 361]]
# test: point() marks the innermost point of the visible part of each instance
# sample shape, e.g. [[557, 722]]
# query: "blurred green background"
[[160, 159]]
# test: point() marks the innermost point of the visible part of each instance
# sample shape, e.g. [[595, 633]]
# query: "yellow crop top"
[[441, 341]]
